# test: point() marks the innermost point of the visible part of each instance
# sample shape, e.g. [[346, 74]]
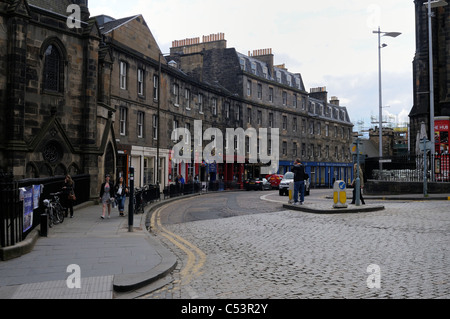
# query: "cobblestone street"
[[288, 255]]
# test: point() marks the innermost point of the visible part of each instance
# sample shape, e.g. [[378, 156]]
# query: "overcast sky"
[[329, 42]]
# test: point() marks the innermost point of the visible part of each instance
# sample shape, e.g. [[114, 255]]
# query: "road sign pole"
[[358, 179], [425, 184], [131, 202]]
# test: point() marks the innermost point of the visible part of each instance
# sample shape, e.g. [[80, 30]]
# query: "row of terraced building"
[[103, 97]]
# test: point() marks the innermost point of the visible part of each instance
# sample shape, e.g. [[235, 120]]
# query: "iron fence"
[[11, 211], [12, 206], [144, 196], [174, 190], [409, 168]]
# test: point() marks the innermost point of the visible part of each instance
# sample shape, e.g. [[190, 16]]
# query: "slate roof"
[[282, 76], [59, 7], [328, 111], [107, 25]]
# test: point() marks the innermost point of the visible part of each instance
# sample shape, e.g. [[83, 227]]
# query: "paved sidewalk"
[[110, 258]]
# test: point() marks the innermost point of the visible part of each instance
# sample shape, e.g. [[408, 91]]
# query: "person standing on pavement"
[[299, 182], [361, 178], [121, 193], [67, 192], [106, 194]]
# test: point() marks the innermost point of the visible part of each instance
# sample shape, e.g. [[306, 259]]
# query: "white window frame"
[[123, 121], [176, 93], [200, 103], [123, 75], [187, 96], [140, 82], [155, 87], [140, 124], [155, 127]]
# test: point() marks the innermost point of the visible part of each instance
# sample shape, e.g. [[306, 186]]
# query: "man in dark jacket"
[[299, 182]]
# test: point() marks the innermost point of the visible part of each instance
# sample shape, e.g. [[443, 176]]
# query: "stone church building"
[[53, 121], [441, 60]]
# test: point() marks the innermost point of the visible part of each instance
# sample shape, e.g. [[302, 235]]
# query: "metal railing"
[[144, 196], [174, 190], [12, 206], [409, 168], [11, 212]]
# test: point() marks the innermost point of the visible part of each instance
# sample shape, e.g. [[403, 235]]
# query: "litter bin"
[[44, 225]]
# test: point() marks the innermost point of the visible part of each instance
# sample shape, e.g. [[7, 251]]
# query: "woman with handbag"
[[68, 195], [121, 193], [107, 195]]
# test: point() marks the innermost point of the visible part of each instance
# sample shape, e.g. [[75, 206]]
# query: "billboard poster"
[[27, 208], [441, 131], [36, 196]]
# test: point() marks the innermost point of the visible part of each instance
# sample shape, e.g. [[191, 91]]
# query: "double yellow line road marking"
[[195, 257]]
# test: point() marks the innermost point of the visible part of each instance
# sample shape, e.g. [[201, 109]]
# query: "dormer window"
[[266, 72], [242, 64], [254, 67]]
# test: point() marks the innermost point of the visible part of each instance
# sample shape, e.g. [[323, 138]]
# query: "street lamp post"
[[380, 46], [430, 5], [158, 121]]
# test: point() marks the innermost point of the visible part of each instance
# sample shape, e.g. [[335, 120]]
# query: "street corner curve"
[[329, 210]]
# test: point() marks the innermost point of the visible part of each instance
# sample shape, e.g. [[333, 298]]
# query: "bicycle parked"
[[54, 210], [139, 201]]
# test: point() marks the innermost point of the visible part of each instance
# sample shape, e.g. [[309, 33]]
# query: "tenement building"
[[264, 95], [421, 70], [102, 97]]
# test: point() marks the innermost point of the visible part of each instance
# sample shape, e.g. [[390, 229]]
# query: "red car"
[[274, 180]]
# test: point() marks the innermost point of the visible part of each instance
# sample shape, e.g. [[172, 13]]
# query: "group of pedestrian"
[[111, 194], [300, 177]]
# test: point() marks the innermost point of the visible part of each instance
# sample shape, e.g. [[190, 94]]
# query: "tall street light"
[[430, 5], [380, 46], [158, 173]]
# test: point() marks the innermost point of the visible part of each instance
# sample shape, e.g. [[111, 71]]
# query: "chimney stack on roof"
[[263, 55], [194, 45]]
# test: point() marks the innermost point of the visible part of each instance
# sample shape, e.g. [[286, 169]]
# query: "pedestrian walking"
[[299, 182], [121, 193], [68, 195], [106, 196], [361, 178]]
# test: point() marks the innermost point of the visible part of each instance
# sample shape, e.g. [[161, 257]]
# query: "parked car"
[[287, 179], [274, 180], [257, 184]]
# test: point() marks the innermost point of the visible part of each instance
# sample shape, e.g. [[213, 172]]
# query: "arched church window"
[[52, 69]]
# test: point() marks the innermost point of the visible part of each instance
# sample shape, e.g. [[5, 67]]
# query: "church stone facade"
[[52, 123], [441, 61]]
